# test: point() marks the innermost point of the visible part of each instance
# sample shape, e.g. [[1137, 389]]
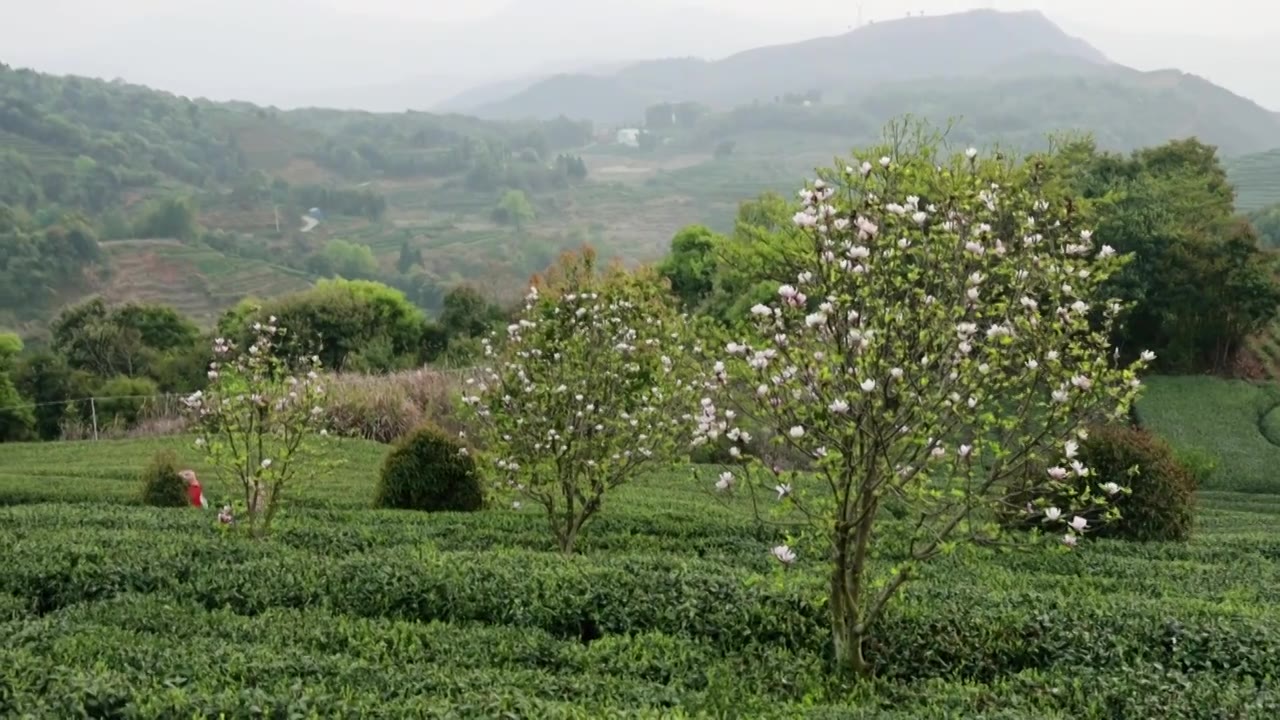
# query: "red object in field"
[[194, 491]]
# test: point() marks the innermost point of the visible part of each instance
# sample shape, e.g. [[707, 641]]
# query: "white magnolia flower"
[[868, 385], [784, 554], [838, 406], [783, 490], [1070, 540], [1148, 356], [896, 373], [971, 153], [964, 450], [787, 291], [1106, 251], [761, 309], [1052, 514], [1079, 469], [1071, 449], [1111, 488], [885, 162], [1078, 523], [266, 463], [1060, 396], [725, 482], [797, 432]]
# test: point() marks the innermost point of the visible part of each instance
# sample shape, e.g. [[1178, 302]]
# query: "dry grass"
[[385, 407], [381, 408]]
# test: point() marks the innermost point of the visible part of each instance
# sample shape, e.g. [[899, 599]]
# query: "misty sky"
[[288, 51]]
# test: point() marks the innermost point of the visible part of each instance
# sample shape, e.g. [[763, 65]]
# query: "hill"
[[963, 44], [1257, 179], [1013, 74]]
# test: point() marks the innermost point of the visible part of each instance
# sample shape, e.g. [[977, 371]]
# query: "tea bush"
[[161, 484], [429, 471], [1161, 489]]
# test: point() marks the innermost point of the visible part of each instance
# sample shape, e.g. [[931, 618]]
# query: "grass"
[[1235, 421], [673, 607]]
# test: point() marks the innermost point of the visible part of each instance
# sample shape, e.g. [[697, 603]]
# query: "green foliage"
[[347, 259], [691, 264], [47, 381], [121, 400], [1267, 222], [39, 262], [925, 356], [1198, 285], [514, 209], [1158, 505], [16, 418], [336, 319], [663, 615], [1228, 422], [429, 471], [467, 313], [586, 390], [171, 217], [162, 486], [258, 420]]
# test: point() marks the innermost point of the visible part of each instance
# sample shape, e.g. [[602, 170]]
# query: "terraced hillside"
[[197, 281], [1256, 178]]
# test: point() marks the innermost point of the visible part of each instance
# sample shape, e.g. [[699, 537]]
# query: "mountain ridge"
[[961, 43]]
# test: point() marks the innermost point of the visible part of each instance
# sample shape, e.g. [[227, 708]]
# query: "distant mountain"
[[914, 48], [296, 53]]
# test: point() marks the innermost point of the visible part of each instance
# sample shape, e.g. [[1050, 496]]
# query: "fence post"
[[93, 410]]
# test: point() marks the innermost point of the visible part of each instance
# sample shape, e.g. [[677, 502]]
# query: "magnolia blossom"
[[783, 490], [1071, 449], [1111, 488], [868, 385], [725, 482], [838, 406], [1070, 540], [964, 451], [1052, 514], [784, 554], [1058, 473], [797, 432], [1148, 356]]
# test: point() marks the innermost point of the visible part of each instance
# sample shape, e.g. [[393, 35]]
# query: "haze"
[[392, 54]]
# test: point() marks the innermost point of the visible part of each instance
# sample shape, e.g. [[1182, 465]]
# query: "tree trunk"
[[847, 632]]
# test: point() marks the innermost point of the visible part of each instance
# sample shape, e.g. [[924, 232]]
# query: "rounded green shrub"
[[429, 471], [1159, 488], [162, 486], [1159, 504]]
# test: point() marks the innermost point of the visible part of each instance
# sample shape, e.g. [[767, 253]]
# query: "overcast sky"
[[222, 48]]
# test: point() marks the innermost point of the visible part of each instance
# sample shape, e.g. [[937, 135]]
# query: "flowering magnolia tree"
[[254, 421], [591, 386], [944, 340]]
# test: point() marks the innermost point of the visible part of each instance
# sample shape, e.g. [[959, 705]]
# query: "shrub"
[[428, 471], [161, 484], [1161, 489]]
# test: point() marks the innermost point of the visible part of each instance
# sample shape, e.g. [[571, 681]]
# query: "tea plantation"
[[673, 608]]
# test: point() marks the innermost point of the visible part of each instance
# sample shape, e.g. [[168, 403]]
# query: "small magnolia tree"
[[255, 418], [591, 386], [944, 337]]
